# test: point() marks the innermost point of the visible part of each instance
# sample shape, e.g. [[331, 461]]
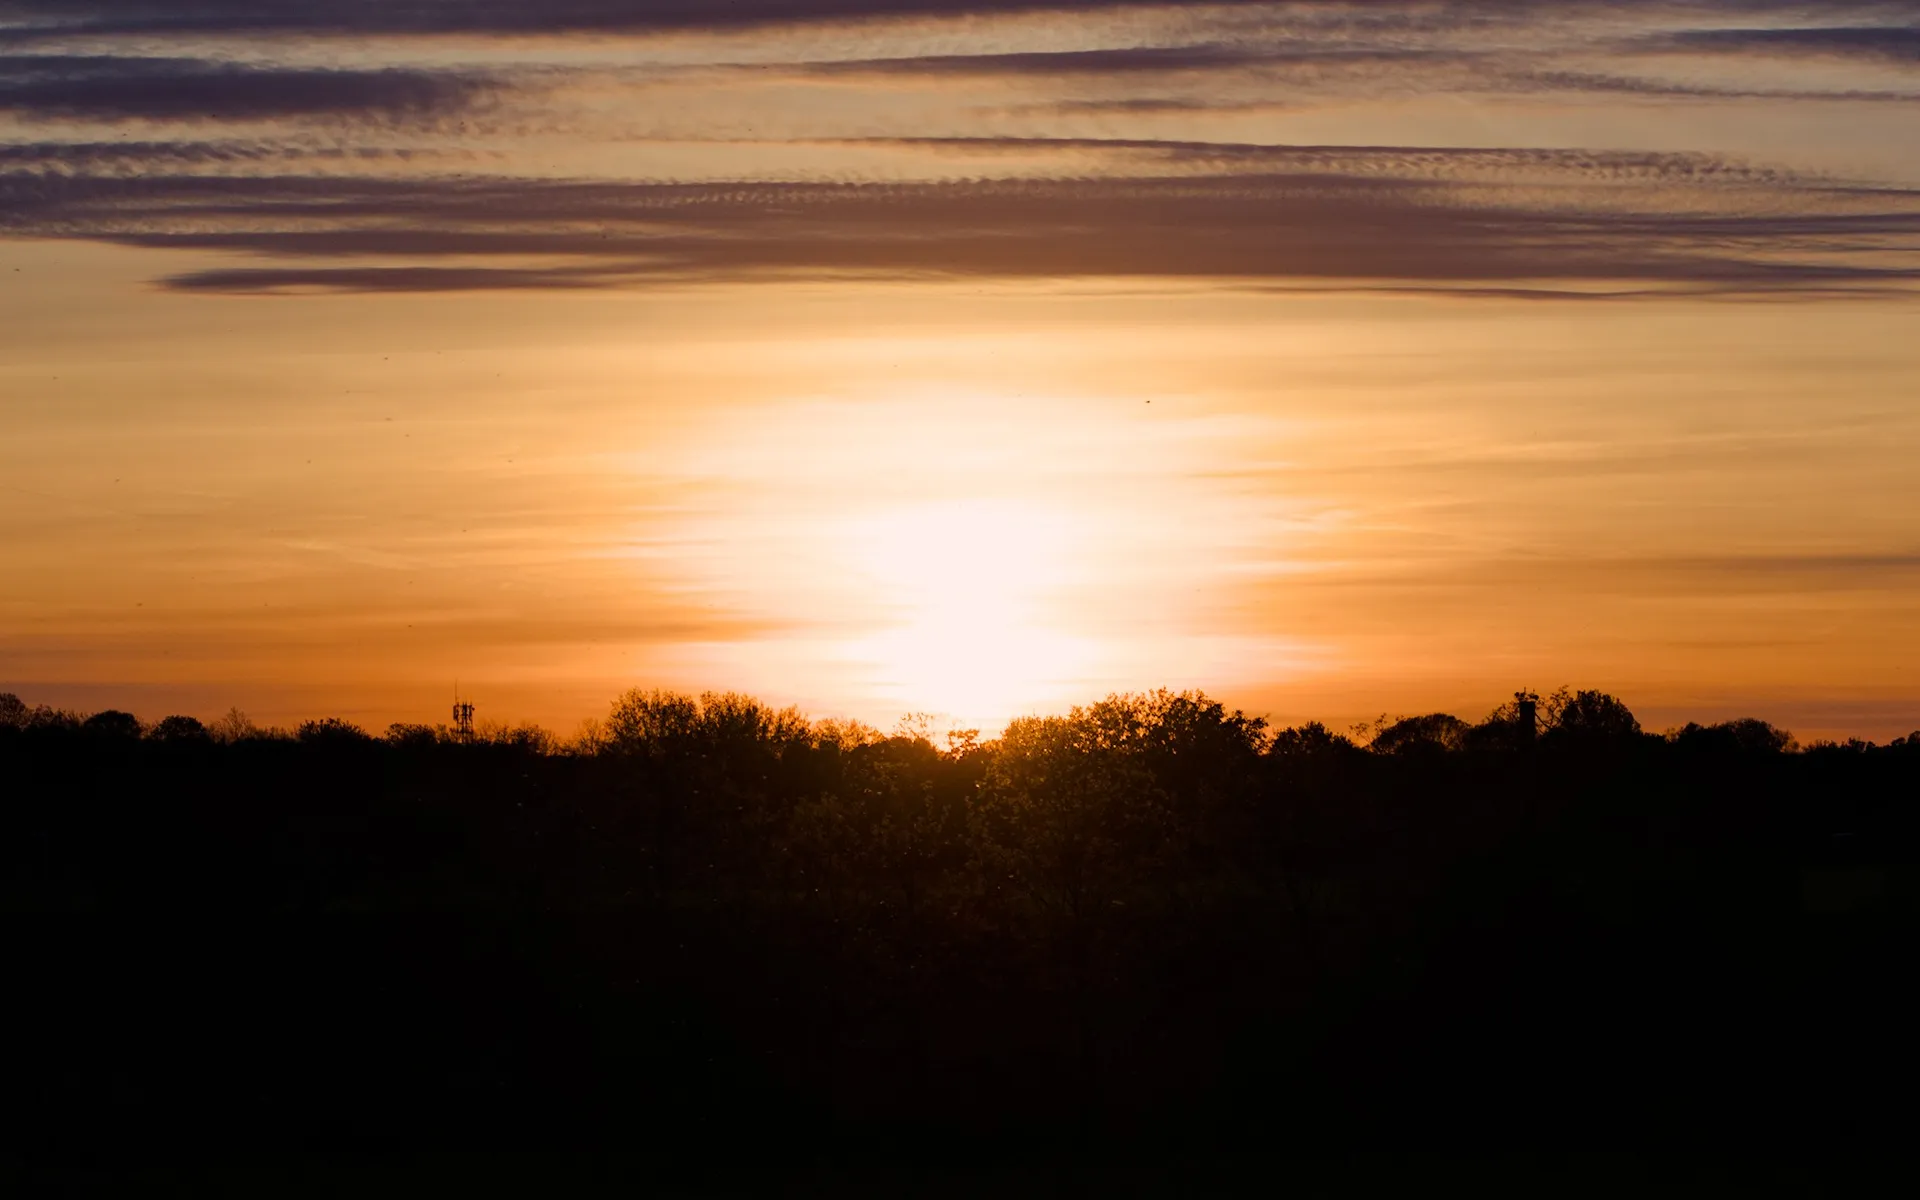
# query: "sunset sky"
[[969, 358]]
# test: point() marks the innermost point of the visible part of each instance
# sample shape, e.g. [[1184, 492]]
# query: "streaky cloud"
[[1386, 217], [364, 280], [80, 158], [1405, 162], [1548, 82], [503, 17], [1887, 43], [30, 18], [1129, 60], [122, 88]]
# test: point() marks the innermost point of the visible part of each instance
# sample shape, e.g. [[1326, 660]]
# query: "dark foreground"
[[716, 941]]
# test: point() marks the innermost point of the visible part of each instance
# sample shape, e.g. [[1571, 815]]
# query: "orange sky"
[[1195, 360]]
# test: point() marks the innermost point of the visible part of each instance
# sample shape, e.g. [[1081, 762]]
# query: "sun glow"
[[970, 588], [971, 554]]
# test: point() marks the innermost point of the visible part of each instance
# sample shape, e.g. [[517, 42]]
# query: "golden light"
[[969, 553], [970, 588]]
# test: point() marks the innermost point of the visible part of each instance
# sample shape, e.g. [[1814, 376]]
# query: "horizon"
[[970, 358], [936, 727]]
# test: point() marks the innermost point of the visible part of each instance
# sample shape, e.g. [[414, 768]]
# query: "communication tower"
[[462, 717]]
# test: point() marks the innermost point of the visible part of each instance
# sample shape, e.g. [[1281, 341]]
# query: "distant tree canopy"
[[1748, 736], [179, 729], [332, 730], [1435, 731], [1588, 716], [659, 724], [112, 724]]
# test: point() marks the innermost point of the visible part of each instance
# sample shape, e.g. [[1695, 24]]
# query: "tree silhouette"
[[234, 726], [331, 731], [179, 729], [113, 724], [1750, 736], [1433, 732], [1588, 716]]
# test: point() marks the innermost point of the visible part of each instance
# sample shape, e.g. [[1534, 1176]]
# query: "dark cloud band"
[[510, 17], [1507, 221], [112, 88], [494, 16], [1130, 60], [1895, 44], [1389, 217]]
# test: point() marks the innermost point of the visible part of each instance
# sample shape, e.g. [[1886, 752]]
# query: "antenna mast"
[[462, 717]]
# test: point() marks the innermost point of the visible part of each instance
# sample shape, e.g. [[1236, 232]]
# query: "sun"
[[971, 591]]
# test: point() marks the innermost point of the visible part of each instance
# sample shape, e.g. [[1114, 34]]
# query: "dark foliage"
[[111, 724], [179, 729], [1150, 925]]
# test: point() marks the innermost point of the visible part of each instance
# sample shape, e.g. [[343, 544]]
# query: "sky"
[[973, 359]]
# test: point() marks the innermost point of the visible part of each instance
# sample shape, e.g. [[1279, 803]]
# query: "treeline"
[[1565, 714], [1151, 922]]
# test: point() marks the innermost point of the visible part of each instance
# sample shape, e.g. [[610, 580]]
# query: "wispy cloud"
[[1886, 43], [122, 88], [1129, 60], [542, 16], [135, 157], [1363, 215], [495, 16], [357, 215], [1295, 67]]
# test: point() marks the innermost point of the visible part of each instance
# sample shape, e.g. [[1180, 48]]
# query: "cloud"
[[561, 16], [1492, 79], [1658, 89], [1407, 163], [1302, 65], [1251, 215], [129, 157], [389, 279], [1747, 574], [1463, 45], [1135, 106], [115, 88], [1822, 570], [1128, 60], [1388, 23], [1895, 44], [292, 215], [27, 18], [490, 16]]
